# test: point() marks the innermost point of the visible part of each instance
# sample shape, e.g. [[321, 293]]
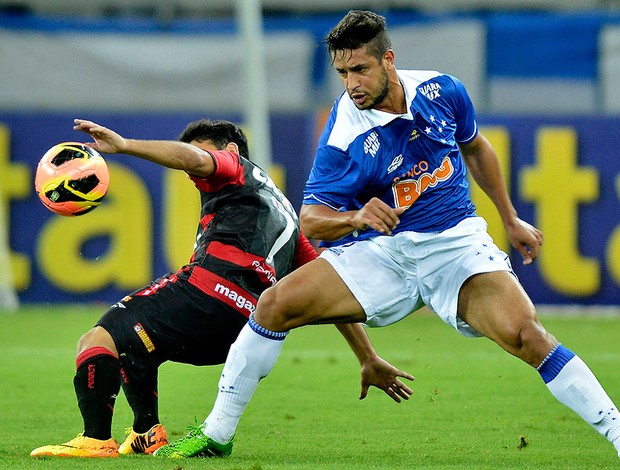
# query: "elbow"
[[308, 223], [308, 227], [314, 228], [321, 223]]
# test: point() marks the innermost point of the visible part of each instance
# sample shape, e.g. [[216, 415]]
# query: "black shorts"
[[174, 322]]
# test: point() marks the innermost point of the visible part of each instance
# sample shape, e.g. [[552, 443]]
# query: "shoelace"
[[194, 431], [194, 442], [72, 442]]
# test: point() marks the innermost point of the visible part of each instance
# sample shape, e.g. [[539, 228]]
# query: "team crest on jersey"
[[430, 90], [371, 144]]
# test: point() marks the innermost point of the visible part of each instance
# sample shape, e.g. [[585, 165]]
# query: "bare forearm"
[[374, 370], [358, 340], [483, 164], [323, 223], [171, 154]]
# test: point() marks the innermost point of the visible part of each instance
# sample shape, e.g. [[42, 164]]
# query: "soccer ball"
[[71, 179]]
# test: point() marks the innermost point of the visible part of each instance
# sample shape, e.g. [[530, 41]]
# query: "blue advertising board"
[[563, 175]]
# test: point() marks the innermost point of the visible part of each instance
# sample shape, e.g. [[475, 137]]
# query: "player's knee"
[[534, 342], [275, 312], [96, 337], [85, 341]]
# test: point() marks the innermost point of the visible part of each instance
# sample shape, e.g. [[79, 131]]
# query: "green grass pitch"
[[474, 406]]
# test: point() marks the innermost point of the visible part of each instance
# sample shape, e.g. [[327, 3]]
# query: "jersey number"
[[286, 209]]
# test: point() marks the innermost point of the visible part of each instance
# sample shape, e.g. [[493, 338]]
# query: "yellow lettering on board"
[[613, 246], [15, 183], [557, 185], [125, 217]]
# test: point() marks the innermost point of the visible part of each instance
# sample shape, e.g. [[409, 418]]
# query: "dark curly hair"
[[220, 132], [357, 29]]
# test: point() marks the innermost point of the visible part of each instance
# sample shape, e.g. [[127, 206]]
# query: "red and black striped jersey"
[[248, 236]]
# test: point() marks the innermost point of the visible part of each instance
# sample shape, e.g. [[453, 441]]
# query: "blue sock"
[[573, 384], [264, 332], [551, 365]]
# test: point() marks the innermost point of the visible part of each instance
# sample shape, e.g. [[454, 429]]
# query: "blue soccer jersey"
[[407, 160]]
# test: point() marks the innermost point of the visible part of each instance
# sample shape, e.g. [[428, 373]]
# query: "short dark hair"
[[357, 29], [220, 132]]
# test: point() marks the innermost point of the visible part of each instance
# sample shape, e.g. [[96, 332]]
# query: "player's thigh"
[[312, 294], [173, 322], [495, 304]]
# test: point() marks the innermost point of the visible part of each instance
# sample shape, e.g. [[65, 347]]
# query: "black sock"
[[145, 411], [97, 382], [141, 394]]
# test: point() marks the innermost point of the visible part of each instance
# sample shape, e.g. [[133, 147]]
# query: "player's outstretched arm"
[[375, 371], [169, 153]]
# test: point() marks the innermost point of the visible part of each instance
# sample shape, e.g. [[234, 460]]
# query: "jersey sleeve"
[[228, 170], [338, 173], [334, 180], [464, 114], [324, 185], [304, 252]]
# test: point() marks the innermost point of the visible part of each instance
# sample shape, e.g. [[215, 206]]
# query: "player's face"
[[364, 77]]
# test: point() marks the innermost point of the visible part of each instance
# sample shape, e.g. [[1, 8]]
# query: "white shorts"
[[394, 276]]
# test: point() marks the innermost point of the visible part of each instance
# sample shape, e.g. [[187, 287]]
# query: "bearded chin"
[[378, 99], [381, 96]]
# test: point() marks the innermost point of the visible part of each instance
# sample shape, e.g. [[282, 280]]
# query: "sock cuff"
[[89, 353], [555, 361], [275, 335]]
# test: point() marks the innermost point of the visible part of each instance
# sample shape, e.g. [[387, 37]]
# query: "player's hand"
[[385, 376], [106, 140], [378, 215], [526, 238]]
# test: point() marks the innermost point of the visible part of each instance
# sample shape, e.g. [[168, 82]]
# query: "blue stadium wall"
[[563, 174]]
